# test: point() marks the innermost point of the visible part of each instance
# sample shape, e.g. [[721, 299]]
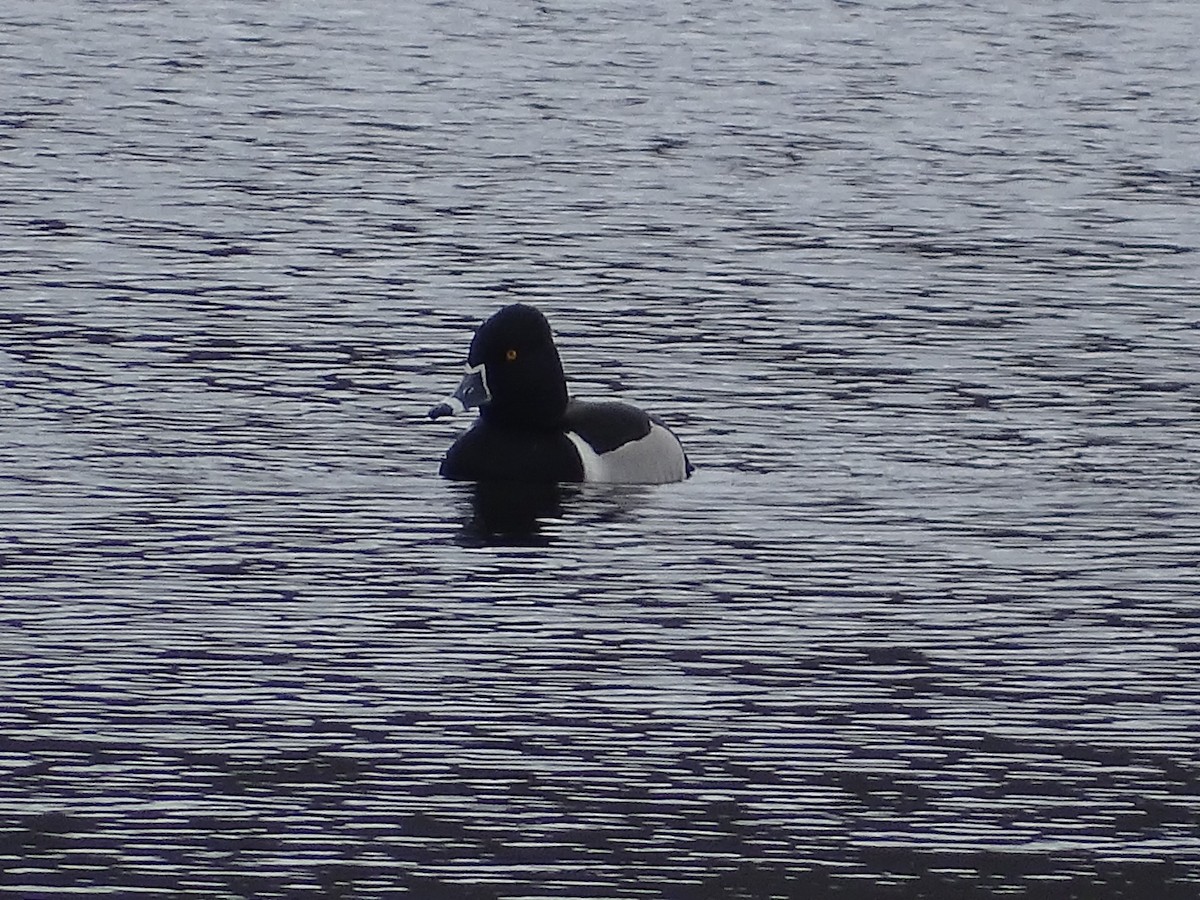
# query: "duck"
[[530, 430]]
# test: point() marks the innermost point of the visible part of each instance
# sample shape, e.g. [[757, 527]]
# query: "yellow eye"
[[510, 355]]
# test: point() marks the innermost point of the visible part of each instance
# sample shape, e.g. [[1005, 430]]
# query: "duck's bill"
[[472, 391]]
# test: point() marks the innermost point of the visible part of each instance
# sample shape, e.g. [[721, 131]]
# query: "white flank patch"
[[655, 459], [592, 463]]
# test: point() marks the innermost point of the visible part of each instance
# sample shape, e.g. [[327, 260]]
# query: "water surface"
[[914, 282]]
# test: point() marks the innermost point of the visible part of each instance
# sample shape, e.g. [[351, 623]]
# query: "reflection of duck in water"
[[513, 513], [528, 430], [517, 513]]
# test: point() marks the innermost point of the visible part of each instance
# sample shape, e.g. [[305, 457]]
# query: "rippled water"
[[916, 283]]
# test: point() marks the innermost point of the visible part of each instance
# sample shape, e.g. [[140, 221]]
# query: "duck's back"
[[607, 425]]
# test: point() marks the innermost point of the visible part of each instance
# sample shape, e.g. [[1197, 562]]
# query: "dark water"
[[916, 283]]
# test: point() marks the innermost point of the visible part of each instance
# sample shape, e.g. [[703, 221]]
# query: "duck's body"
[[529, 430], [611, 442]]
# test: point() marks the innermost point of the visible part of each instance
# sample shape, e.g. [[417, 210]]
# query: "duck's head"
[[513, 374]]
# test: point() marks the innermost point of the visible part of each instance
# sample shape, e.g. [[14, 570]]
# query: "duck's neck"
[[541, 407]]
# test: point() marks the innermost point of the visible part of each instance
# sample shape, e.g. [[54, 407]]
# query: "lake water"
[[916, 283]]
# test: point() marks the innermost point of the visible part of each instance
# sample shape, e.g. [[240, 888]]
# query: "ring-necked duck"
[[529, 430]]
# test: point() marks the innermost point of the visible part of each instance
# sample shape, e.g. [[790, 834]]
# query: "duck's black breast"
[[488, 452], [606, 425]]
